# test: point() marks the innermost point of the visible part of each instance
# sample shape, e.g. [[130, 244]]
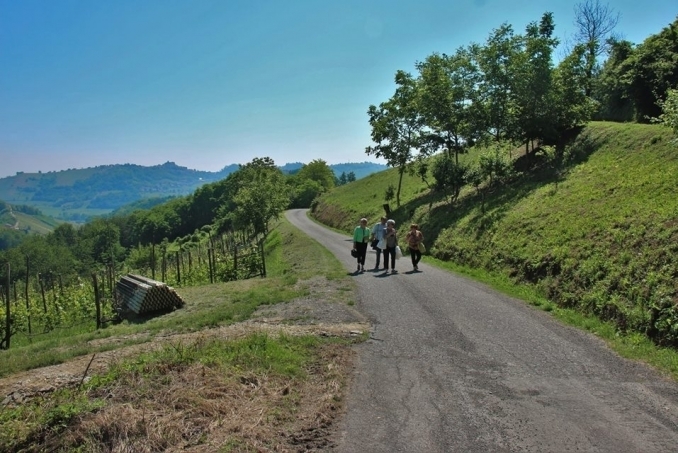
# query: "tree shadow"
[[483, 210]]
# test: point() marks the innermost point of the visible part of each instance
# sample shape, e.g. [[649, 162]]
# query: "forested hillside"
[[598, 233], [78, 194]]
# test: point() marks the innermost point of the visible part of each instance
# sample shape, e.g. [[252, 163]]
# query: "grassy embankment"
[[232, 393], [595, 243]]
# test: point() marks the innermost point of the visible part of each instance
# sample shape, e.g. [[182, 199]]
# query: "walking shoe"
[[416, 268], [358, 267]]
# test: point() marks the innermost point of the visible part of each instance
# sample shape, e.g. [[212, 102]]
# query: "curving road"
[[452, 366]]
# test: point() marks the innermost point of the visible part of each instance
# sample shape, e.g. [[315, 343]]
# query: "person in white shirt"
[[378, 232]]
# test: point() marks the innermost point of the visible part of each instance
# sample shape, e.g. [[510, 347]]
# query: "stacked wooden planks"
[[144, 295]]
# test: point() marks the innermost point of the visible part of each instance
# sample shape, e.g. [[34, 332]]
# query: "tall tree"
[[532, 83], [496, 62], [652, 69], [449, 102], [594, 24], [260, 197], [396, 126], [611, 87], [571, 107], [317, 170]]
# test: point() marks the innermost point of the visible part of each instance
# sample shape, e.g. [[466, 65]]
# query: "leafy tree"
[[533, 83], [99, 243], [304, 192], [571, 106], [10, 238], [64, 234], [449, 102], [261, 196], [350, 177], [669, 116], [317, 170], [611, 85], [494, 164], [496, 62], [594, 24], [449, 176], [653, 70], [396, 126], [637, 78]]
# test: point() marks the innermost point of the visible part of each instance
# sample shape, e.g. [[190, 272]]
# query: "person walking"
[[361, 237], [378, 232], [414, 239], [391, 239]]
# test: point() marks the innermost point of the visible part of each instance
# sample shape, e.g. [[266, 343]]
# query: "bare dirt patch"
[[196, 411]]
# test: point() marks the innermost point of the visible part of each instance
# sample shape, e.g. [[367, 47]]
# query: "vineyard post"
[[263, 258], [235, 258], [110, 279], [28, 305], [114, 294], [190, 263], [54, 294], [113, 267], [153, 260], [181, 259], [97, 302], [209, 263], [42, 291], [8, 324], [178, 266], [163, 266], [61, 286]]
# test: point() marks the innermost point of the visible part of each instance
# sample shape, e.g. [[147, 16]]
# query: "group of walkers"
[[383, 237]]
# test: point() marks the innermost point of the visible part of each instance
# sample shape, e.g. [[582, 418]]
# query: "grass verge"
[[201, 387]]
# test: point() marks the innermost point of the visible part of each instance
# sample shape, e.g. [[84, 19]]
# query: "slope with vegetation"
[[598, 233], [493, 152], [243, 366]]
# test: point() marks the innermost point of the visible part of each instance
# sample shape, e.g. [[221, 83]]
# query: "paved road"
[[453, 366]]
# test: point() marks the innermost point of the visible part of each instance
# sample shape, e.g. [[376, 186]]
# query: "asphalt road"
[[453, 366]]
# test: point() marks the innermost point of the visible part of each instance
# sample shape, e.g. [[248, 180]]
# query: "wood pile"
[[143, 295]]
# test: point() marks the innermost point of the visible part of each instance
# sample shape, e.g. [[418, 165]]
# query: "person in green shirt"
[[361, 237]]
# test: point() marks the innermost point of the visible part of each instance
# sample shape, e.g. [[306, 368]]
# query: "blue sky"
[[208, 83]]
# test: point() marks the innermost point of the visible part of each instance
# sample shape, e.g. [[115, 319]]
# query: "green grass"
[[164, 380], [291, 257], [595, 242]]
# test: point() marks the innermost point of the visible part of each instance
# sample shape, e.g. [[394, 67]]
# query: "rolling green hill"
[[78, 194], [600, 235], [25, 218]]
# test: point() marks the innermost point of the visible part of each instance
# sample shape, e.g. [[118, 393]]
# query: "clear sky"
[[208, 83]]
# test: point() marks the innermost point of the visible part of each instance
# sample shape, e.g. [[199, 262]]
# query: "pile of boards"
[[143, 295]]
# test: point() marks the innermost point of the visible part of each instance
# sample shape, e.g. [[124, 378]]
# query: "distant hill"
[[77, 194]]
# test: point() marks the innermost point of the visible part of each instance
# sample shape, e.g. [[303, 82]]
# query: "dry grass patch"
[[195, 398]]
